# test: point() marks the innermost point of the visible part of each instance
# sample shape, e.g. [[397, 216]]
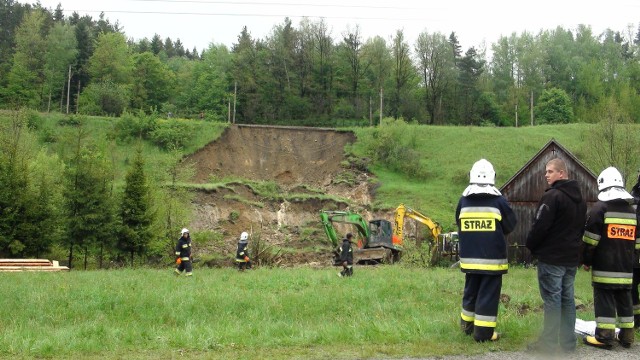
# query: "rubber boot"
[[592, 341], [466, 326], [177, 272], [626, 337], [482, 334]]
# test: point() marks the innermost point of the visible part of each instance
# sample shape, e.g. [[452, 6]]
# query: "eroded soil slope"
[[287, 155], [311, 173]]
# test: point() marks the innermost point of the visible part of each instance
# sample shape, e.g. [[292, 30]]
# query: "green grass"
[[100, 131], [296, 313], [447, 154]]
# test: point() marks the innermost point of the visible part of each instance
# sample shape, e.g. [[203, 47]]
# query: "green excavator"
[[374, 239]]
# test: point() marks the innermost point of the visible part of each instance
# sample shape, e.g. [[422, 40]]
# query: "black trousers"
[[480, 304], [185, 265], [635, 297], [613, 307]]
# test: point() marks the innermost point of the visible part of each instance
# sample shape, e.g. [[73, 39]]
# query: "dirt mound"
[[311, 172], [287, 155]]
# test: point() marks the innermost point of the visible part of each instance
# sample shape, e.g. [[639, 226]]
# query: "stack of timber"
[[8, 265]]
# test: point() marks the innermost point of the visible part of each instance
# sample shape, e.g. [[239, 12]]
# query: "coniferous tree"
[[87, 196], [471, 67], [156, 44], [28, 220], [135, 211]]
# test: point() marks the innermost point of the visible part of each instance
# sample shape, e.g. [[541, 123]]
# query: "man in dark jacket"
[[555, 239], [611, 239], [183, 254], [346, 256], [484, 217]]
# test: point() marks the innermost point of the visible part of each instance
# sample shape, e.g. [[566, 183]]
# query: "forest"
[[305, 74]]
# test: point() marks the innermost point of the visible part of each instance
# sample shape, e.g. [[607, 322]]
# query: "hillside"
[[308, 170], [280, 178], [273, 181]]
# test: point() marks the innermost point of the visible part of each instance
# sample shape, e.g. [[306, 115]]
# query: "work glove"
[[178, 261], [246, 258]]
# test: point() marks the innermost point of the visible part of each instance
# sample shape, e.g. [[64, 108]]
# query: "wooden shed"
[[526, 187]]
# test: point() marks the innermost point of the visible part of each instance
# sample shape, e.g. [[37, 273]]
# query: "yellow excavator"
[[444, 244], [398, 227]]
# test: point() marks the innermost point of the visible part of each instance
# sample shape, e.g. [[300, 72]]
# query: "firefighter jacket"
[[183, 249], [555, 237], [483, 221], [346, 251], [611, 238], [243, 251]]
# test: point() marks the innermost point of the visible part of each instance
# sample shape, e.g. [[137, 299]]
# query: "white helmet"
[[610, 177], [482, 173], [184, 230], [611, 185], [244, 235]]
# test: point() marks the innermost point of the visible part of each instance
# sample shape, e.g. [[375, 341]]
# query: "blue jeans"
[[556, 290]]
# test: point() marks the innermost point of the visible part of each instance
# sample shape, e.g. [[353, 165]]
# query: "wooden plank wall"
[[524, 190]]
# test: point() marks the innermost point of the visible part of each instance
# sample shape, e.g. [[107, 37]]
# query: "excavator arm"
[[402, 212], [329, 217]]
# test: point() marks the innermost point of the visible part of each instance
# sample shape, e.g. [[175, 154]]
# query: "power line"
[[283, 4], [244, 15]]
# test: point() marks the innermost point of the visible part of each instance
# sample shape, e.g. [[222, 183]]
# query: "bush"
[[130, 126], [554, 107], [104, 98], [70, 120], [171, 134], [394, 144]]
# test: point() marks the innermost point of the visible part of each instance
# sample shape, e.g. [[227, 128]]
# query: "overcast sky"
[[202, 22]]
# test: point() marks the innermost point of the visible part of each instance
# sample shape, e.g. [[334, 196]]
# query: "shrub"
[[171, 134], [139, 126]]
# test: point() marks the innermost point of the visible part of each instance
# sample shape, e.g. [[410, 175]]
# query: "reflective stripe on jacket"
[[183, 248], [483, 221], [610, 237]]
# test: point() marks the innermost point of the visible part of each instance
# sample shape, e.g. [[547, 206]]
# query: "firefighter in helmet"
[[183, 254], [242, 253], [483, 217], [346, 255], [611, 239]]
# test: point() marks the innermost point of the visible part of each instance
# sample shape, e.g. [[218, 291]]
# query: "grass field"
[[444, 155], [293, 313]]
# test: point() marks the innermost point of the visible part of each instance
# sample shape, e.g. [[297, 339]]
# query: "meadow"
[[266, 313]]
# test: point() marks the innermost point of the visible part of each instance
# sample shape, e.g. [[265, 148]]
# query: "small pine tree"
[[135, 211]]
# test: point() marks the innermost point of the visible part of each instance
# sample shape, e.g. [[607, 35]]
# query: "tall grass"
[[434, 183], [58, 131], [304, 313]]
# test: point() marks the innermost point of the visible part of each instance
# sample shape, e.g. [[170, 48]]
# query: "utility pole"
[[78, 98], [68, 88], [235, 96], [370, 111], [531, 107], [381, 97]]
